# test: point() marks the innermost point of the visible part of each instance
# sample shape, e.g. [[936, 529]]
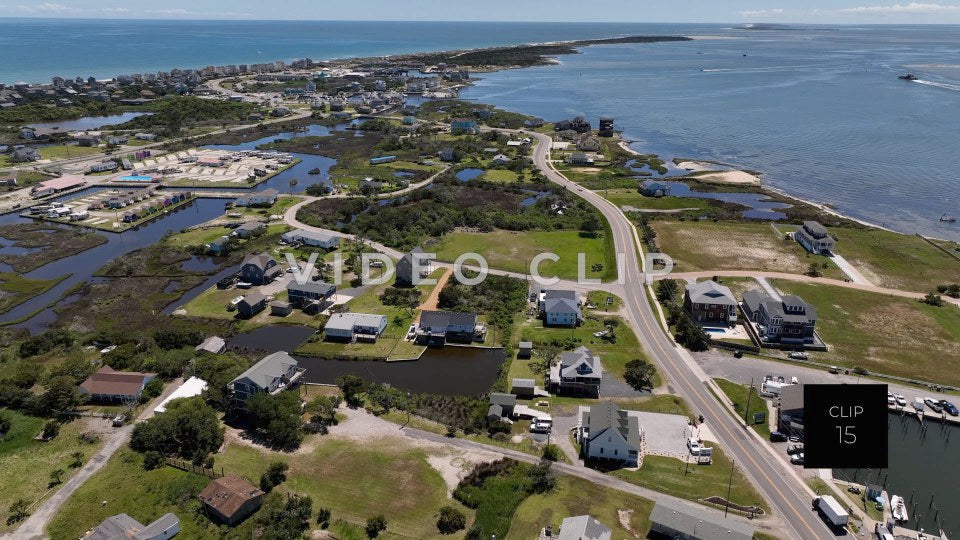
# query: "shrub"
[[451, 520], [275, 475], [323, 517], [152, 460], [551, 452], [375, 525]]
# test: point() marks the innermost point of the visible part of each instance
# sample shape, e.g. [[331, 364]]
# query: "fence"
[[188, 466]]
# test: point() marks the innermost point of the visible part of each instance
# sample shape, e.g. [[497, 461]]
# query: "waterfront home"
[[117, 140], [146, 136], [437, 327], [579, 158], [259, 269], [501, 406], [272, 374], [88, 139], [24, 154], [500, 159], [578, 124], [267, 197], [578, 372], [673, 519], [651, 188], [213, 344], [588, 143], [412, 267], [231, 499], [250, 229], [606, 127], [608, 433], [311, 238], [790, 410], [583, 528], [815, 238], [253, 303], [560, 307], [710, 304], [279, 308], [354, 326], [523, 388], [220, 246], [124, 527], [788, 320], [463, 126], [109, 385], [309, 296]]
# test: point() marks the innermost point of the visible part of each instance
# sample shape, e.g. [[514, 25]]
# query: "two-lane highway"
[[783, 489]]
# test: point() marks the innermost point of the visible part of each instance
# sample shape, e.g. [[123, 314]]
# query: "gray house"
[[436, 327], [250, 229], [501, 406], [814, 238], [124, 527], [24, 154], [309, 296], [790, 410], [273, 374], [692, 522], [560, 307], [259, 269], [651, 188], [579, 372], [406, 265], [789, 321], [253, 302], [711, 304], [583, 528]]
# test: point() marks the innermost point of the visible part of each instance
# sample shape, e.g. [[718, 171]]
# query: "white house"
[[266, 197], [347, 326], [500, 159], [609, 433], [814, 237], [311, 238]]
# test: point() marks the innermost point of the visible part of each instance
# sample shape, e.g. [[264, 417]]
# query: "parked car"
[[891, 399], [933, 404], [901, 401], [797, 459], [949, 407], [776, 436], [694, 446], [797, 355], [541, 426], [834, 370]]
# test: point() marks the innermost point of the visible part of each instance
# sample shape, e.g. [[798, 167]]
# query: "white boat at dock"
[[899, 508]]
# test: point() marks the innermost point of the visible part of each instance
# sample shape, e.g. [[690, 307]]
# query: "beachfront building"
[[351, 327], [608, 433], [710, 304], [787, 320], [273, 374], [815, 238], [578, 372]]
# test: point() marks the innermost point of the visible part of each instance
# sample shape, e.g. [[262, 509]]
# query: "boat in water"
[[908, 77], [898, 508], [948, 219]]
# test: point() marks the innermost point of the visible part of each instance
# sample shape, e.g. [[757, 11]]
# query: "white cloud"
[[44, 8], [911, 8], [761, 12]]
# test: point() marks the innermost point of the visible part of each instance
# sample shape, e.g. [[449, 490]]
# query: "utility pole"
[[746, 412], [726, 507]]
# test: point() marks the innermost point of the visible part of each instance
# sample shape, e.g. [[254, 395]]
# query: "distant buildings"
[[24, 154], [711, 304], [693, 522], [578, 372], [610, 434], [231, 499], [578, 124], [606, 127], [124, 527], [109, 385], [354, 326], [579, 158], [273, 374], [814, 238], [788, 321]]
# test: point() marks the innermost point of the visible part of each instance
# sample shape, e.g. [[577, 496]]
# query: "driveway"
[[34, 526], [612, 386]]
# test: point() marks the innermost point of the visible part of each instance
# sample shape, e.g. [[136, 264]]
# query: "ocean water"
[[818, 110]]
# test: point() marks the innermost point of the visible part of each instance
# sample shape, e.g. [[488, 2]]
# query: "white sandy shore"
[[742, 178]]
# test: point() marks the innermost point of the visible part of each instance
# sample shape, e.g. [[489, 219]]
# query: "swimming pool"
[[136, 178]]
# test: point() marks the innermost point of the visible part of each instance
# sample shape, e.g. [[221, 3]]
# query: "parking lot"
[[215, 168]]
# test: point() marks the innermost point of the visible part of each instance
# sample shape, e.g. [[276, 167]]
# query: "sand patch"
[[742, 178], [625, 517]]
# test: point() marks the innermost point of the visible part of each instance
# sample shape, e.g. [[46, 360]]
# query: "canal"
[[923, 469]]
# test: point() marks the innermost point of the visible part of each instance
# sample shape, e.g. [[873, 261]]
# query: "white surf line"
[[945, 86]]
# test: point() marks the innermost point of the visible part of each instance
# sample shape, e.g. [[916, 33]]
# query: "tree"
[[375, 525], [5, 424], [285, 519], [18, 512], [50, 430], [152, 460], [666, 290], [451, 520], [541, 477], [384, 396], [933, 300], [189, 428], [323, 517], [639, 374], [590, 226], [27, 374], [275, 475], [276, 418], [351, 386], [151, 390], [813, 270], [551, 452], [56, 477], [323, 410], [175, 338], [77, 460], [61, 394]]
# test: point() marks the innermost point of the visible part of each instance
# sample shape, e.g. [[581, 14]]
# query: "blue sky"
[[787, 11]]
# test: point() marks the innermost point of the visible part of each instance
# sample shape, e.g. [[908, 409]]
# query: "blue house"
[[654, 189], [383, 159], [462, 125]]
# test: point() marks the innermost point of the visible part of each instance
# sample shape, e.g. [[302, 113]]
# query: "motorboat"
[[908, 77], [898, 508]]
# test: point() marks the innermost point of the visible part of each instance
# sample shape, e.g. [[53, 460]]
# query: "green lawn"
[[513, 251], [199, 237], [574, 497], [897, 261], [672, 476], [500, 175], [706, 245], [27, 464], [67, 151], [278, 208], [740, 396], [632, 197], [884, 334]]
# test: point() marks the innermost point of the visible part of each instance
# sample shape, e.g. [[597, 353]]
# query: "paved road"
[[781, 487], [34, 526]]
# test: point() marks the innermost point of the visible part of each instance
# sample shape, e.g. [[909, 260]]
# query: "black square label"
[[845, 426]]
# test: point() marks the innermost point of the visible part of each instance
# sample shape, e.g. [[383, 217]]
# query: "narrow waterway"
[[923, 470]]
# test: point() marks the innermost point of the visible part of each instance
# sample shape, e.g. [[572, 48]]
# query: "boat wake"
[[945, 86]]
